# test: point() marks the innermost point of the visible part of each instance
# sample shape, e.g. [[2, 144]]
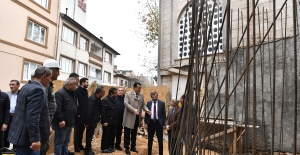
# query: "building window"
[[66, 65], [83, 43], [185, 27], [95, 73], [68, 35], [121, 83], [43, 3], [108, 57], [107, 77], [126, 84], [82, 69], [28, 69], [70, 4], [36, 32]]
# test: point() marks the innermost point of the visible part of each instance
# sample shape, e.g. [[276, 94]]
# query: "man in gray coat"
[[134, 103]]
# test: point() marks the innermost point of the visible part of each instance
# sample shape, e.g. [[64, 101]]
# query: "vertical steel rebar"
[[274, 77], [254, 83], [227, 78], [295, 75], [247, 77]]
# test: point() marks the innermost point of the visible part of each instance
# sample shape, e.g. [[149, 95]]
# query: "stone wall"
[[284, 94]]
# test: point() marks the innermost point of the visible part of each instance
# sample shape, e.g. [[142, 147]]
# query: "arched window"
[[185, 28]]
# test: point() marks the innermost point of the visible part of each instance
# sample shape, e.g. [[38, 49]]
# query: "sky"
[[117, 22]]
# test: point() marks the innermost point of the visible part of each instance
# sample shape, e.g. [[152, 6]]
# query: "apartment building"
[[28, 36], [82, 52]]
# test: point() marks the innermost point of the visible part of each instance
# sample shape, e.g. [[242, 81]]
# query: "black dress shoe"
[[112, 150], [89, 152], [81, 147], [77, 149], [70, 153], [127, 151], [106, 151], [134, 150], [119, 148]]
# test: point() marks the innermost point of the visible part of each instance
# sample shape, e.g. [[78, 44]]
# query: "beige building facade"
[[28, 36], [82, 52]]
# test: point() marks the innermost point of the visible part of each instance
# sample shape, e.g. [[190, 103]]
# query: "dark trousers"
[[78, 133], [89, 136], [169, 141], [174, 146], [45, 143], [4, 135], [26, 150], [119, 131], [130, 134], [108, 136], [155, 127]]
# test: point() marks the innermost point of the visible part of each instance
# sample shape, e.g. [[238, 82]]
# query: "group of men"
[[28, 115]]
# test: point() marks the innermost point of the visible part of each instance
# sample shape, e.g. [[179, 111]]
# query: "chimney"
[[101, 38], [66, 11]]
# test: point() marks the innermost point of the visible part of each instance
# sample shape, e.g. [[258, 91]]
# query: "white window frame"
[[108, 57], [27, 71], [66, 64], [36, 32], [82, 69], [68, 35], [107, 77], [43, 3], [83, 43], [95, 73]]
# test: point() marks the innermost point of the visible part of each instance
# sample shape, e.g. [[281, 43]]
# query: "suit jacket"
[[83, 98], [4, 108], [93, 111], [131, 103], [161, 112], [31, 120], [109, 112], [174, 121]]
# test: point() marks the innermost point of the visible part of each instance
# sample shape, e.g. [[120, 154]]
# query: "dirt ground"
[[141, 147]]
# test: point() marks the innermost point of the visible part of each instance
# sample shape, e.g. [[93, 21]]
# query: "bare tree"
[[149, 18]]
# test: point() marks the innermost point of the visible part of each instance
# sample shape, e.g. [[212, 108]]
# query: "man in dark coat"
[[155, 123], [92, 117], [4, 118], [171, 126], [64, 117], [109, 120], [31, 123], [83, 96], [54, 67], [121, 106]]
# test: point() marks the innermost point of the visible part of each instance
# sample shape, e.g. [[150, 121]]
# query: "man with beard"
[[82, 95], [134, 103], [120, 104]]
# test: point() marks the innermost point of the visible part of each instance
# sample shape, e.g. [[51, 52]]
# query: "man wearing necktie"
[[134, 104], [155, 123]]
